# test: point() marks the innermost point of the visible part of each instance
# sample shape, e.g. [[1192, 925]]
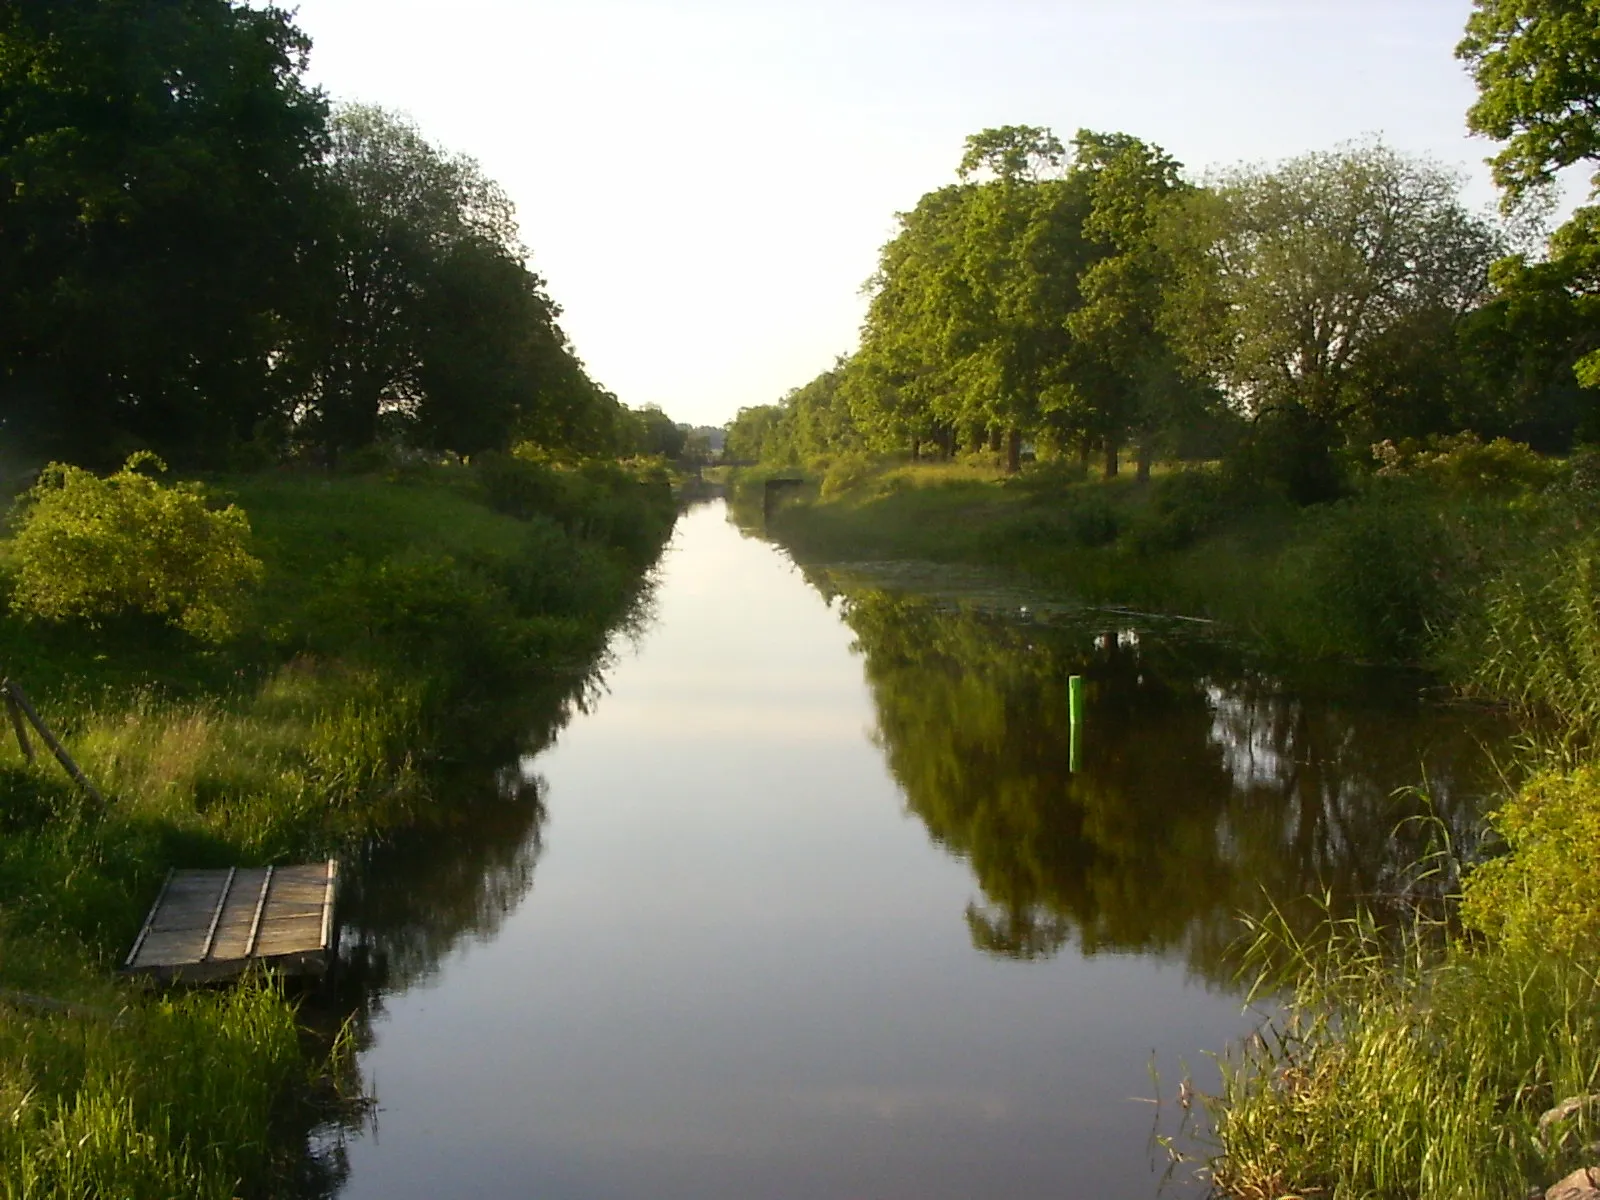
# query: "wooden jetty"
[[211, 925]]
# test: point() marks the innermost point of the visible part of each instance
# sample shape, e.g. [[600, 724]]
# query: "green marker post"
[[1075, 710]]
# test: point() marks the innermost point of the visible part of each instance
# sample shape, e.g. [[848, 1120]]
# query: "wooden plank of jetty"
[[211, 925]]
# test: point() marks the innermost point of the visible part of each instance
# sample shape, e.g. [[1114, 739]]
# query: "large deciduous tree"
[[1295, 274], [157, 183], [414, 223], [1537, 66], [1124, 369]]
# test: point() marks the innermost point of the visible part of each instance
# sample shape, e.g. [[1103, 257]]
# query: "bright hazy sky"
[[705, 183]]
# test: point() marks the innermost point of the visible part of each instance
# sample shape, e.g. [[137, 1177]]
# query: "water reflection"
[[412, 898], [1207, 788], [744, 970], [409, 900]]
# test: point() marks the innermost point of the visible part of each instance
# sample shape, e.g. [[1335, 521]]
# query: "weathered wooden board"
[[207, 925]]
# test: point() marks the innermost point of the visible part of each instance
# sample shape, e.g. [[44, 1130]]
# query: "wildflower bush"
[[90, 548]]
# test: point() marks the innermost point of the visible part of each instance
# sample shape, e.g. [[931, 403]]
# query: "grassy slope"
[[315, 727], [1102, 541]]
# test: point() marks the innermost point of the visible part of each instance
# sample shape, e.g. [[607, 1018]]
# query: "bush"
[[1188, 504], [848, 471], [1091, 520], [420, 610], [1545, 896], [1376, 575], [1464, 463], [596, 499], [1291, 452], [522, 488], [90, 548]]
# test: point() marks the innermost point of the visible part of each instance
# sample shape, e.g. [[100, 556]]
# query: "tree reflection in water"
[[1207, 788], [408, 900]]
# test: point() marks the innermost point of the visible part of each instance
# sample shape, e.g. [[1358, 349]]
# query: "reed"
[[1419, 1074]]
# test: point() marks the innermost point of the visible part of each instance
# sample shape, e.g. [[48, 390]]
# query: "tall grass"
[[176, 1097], [1536, 642], [1417, 1074]]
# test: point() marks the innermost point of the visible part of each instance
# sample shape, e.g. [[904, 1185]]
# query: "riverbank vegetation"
[[1363, 419], [386, 631], [316, 511]]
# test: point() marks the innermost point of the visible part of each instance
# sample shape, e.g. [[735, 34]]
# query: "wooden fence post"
[[17, 724], [15, 696]]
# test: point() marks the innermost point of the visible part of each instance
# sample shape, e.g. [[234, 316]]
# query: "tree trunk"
[[995, 435], [1014, 450], [916, 449], [1111, 458], [1145, 455]]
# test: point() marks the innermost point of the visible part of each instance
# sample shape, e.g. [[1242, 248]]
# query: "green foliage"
[[1407, 1076], [1543, 897], [397, 627], [657, 433], [196, 256], [160, 206], [1187, 505], [432, 302], [620, 506], [180, 1098], [845, 474], [1536, 643], [1465, 464], [1537, 66], [1364, 237], [1374, 576], [91, 548], [1291, 452]]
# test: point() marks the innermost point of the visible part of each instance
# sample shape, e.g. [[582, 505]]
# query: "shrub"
[[523, 488], [1464, 463], [847, 472], [1544, 896], [1291, 452], [1091, 520], [90, 548], [1188, 504], [1376, 574], [420, 610]]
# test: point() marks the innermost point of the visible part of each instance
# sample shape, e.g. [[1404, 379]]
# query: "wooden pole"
[[19, 725], [16, 696]]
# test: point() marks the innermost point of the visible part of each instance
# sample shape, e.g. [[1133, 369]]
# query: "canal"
[[806, 899]]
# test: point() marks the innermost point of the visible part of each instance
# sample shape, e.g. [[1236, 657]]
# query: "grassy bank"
[[397, 626], [1461, 1059], [1300, 581]]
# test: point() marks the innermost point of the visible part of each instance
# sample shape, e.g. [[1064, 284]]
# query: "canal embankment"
[[370, 634]]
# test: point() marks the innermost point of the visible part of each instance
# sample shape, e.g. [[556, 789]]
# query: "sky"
[[704, 184]]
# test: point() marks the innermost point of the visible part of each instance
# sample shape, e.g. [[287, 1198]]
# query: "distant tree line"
[[201, 257], [1089, 300]]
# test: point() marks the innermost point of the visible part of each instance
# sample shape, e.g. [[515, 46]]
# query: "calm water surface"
[[809, 902]]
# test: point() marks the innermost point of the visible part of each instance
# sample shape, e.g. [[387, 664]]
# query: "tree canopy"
[[1089, 298], [199, 257]]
